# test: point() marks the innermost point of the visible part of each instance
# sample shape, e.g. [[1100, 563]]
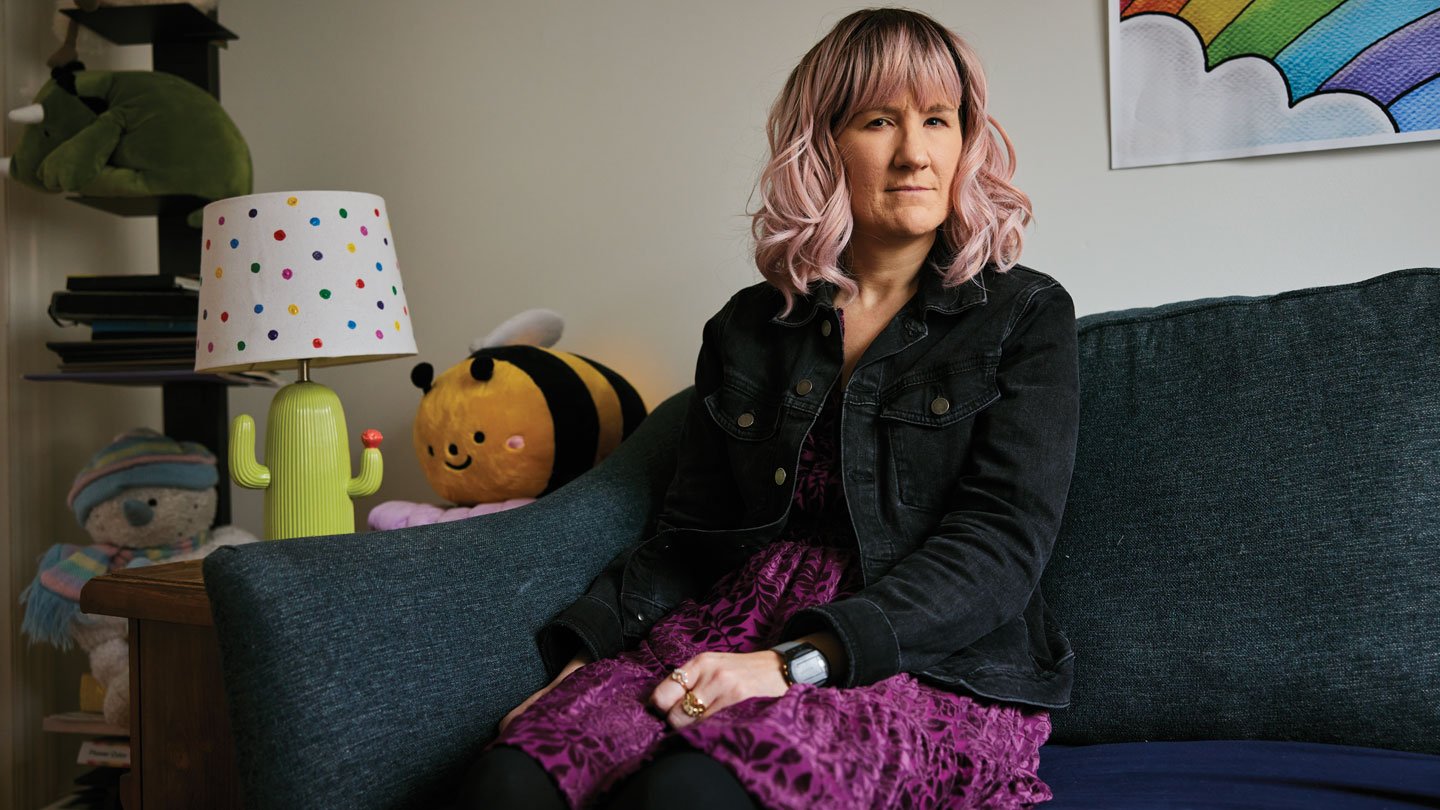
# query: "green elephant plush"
[[105, 133]]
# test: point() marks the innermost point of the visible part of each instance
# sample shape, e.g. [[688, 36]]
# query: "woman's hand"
[[720, 679], [581, 659]]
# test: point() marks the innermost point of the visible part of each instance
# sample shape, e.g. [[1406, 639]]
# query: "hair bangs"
[[890, 63]]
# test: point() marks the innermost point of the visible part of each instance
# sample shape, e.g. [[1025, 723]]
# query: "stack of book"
[[141, 327], [97, 789], [136, 322], [106, 752]]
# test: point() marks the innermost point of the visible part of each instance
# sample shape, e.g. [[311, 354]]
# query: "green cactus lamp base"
[[306, 477]]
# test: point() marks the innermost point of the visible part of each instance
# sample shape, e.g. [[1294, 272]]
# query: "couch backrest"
[[1250, 543]]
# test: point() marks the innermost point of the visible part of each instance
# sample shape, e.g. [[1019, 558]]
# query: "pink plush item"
[[400, 514]]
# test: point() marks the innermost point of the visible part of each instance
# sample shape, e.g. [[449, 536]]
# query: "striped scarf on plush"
[[53, 598]]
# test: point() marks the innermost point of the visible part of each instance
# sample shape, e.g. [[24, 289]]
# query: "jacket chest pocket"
[[927, 418], [751, 424]]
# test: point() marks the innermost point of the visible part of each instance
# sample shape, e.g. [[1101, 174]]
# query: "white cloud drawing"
[[1167, 109]]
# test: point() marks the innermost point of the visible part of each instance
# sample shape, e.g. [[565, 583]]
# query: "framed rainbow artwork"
[[1195, 80]]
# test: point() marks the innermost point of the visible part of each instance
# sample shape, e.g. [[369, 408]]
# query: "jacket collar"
[[932, 295]]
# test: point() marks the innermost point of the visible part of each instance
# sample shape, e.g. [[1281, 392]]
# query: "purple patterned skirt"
[[894, 743]]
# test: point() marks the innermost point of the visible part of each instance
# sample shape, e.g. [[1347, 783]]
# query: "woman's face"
[[899, 163]]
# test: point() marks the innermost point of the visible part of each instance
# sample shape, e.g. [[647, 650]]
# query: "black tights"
[[506, 777]]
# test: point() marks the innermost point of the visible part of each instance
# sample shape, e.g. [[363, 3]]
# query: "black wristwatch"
[[802, 662]]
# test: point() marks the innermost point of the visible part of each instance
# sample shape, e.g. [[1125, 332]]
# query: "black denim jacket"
[[958, 432]]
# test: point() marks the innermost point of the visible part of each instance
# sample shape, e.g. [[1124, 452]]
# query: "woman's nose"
[[912, 151]]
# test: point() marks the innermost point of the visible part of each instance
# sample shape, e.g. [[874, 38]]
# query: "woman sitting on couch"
[[840, 605]]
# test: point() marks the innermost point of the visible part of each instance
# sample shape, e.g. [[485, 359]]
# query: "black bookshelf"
[[179, 244], [167, 205], [184, 42]]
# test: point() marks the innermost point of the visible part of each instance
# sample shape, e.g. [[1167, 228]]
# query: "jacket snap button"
[[939, 406], [779, 475], [746, 420], [825, 328], [639, 618], [804, 387]]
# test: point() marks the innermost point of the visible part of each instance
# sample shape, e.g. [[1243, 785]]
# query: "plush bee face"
[[518, 422], [484, 440]]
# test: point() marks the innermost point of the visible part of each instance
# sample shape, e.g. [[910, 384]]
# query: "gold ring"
[[678, 675], [692, 704]]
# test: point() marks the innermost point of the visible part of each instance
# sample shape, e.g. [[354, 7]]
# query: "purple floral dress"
[[894, 743]]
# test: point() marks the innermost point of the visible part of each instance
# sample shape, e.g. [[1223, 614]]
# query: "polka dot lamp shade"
[[299, 275]]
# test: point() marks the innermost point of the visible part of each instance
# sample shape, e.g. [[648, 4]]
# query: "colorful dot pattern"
[[299, 286]]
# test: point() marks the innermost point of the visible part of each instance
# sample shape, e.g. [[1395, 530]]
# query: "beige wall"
[[597, 159]]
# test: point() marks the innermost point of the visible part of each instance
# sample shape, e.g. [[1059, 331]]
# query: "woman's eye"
[[877, 121], [940, 121]]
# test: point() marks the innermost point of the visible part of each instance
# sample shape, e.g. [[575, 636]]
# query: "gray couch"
[[1248, 571]]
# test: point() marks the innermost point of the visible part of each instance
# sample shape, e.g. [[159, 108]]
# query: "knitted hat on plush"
[[141, 458]]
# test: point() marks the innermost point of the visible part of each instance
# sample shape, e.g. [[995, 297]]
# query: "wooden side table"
[[181, 750]]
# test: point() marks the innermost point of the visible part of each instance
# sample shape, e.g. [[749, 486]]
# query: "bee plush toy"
[[512, 422]]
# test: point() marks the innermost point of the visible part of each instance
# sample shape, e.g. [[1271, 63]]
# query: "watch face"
[[809, 667]]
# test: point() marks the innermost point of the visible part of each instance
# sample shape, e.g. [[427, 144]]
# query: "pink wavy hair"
[[870, 57]]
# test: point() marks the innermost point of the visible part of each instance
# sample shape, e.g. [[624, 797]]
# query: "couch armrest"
[[368, 670]]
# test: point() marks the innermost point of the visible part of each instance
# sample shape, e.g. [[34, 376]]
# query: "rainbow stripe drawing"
[[1198, 80]]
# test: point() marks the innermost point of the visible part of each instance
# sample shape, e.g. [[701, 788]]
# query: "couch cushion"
[[1249, 549], [1237, 773]]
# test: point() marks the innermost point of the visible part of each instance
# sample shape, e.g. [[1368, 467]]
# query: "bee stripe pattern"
[[632, 407], [572, 409]]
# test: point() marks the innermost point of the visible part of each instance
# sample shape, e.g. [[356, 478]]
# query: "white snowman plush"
[[144, 499]]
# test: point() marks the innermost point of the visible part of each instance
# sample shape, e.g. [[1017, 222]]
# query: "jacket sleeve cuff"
[[588, 623], [872, 650]]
